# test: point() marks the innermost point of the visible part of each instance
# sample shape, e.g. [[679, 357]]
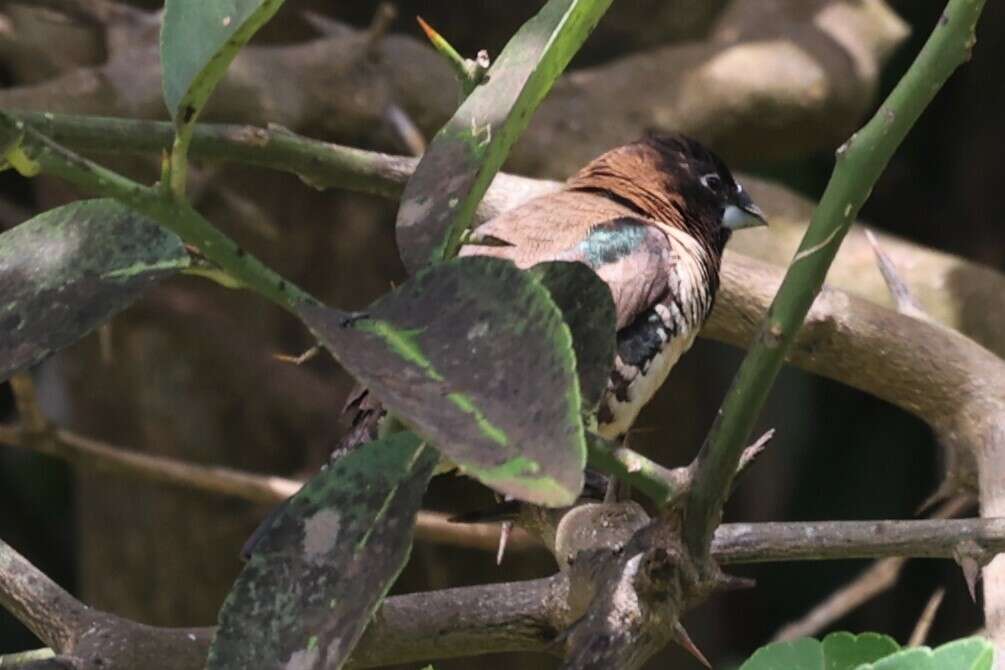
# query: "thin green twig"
[[860, 161], [170, 212], [319, 164]]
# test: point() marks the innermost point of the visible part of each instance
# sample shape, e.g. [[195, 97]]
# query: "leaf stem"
[[178, 166]]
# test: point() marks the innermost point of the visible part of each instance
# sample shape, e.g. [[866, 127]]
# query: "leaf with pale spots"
[[68, 270], [440, 199], [473, 355], [331, 554]]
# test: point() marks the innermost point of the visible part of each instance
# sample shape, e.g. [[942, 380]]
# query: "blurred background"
[[188, 372]]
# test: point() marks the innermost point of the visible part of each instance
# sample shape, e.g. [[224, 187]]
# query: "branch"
[[952, 385], [877, 579], [860, 161], [100, 456], [948, 287], [523, 616], [703, 88]]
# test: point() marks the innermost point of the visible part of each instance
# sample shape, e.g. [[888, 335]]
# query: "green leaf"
[[844, 651], [802, 654], [870, 651], [329, 558], [838, 651], [474, 356], [972, 653], [588, 309], [440, 199], [68, 270], [199, 39]]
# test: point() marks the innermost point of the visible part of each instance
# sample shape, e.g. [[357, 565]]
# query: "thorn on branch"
[[971, 557], [469, 72], [681, 637], [899, 291], [751, 453]]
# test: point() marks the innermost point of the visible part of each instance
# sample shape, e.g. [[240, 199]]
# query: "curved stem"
[[860, 161]]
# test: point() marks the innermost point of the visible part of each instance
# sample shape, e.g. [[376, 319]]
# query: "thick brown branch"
[[524, 616]]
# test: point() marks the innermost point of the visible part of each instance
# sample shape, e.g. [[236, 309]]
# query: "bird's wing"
[[634, 256]]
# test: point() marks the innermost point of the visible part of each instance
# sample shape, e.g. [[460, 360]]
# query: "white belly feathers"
[[643, 387]]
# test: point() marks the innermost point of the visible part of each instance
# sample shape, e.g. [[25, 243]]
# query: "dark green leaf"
[[474, 356], [199, 39], [440, 199], [68, 270], [315, 579], [588, 310]]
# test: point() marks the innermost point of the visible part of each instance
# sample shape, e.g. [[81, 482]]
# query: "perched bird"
[[651, 218]]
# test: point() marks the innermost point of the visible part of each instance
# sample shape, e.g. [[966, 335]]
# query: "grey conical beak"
[[743, 213]]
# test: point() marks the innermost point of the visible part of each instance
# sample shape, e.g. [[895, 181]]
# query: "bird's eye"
[[712, 182]]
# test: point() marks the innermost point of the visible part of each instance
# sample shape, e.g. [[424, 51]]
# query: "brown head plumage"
[[674, 180]]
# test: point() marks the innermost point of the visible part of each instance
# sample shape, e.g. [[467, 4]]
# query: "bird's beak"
[[743, 213]]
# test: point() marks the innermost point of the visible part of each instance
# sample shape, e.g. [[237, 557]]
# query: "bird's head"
[[675, 180]]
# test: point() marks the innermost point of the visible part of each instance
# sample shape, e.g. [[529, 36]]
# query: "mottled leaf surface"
[[315, 579], [440, 199], [474, 355], [588, 309], [199, 39], [68, 270]]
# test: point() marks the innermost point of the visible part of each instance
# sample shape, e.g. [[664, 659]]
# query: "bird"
[[652, 219]]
